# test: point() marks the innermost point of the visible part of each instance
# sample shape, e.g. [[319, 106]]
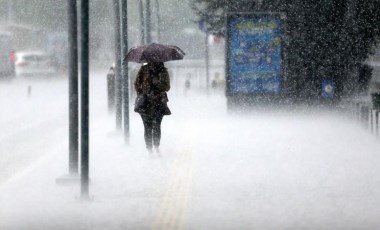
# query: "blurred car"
[[34, 63], [7, 57]]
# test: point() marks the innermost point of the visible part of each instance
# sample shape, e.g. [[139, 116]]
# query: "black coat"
[[153, 85]]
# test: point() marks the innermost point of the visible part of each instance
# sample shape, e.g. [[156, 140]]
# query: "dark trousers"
[[152, 130]]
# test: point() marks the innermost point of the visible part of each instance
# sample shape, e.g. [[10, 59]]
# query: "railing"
[[195, 72], [363, 111], [188, 74]]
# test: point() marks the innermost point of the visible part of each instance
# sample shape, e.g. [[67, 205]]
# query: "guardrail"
[[188, 70], [363, 111]]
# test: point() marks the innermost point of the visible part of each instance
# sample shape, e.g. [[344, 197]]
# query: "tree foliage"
[[327, 39]]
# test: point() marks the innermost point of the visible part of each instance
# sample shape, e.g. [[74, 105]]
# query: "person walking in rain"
[[152, 83]]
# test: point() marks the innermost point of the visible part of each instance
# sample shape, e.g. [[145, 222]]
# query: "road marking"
[[174, 202]]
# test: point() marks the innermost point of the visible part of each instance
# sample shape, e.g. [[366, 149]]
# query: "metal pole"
[[10, 11], [371, 119], [111, 89], [117, 66], [124, 46], [73, 86], [84, 98], [148, 23], [358, 110], [366, 116], [362, 116], [142, 22], [377, 122], [207, 57], [158, 21]]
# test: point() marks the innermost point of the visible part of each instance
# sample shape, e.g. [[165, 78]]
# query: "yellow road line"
[[173, 204]]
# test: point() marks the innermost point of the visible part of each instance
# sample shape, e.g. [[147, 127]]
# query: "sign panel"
[[254, 56], [328, 88]]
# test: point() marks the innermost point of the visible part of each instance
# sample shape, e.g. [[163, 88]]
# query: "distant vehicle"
[[34, 63], [7, 57]]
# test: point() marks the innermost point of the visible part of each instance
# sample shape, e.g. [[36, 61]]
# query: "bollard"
[[111, 89], [366, 118], [361, 111], [371, 120], [215, 83], [358, 110], [187, 82], [377, 123], [376, 106], [353, 109], [29, 91]]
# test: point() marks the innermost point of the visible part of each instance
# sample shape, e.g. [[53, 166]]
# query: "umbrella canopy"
[[154, 53]]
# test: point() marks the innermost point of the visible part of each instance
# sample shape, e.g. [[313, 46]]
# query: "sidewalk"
[[217, 171]]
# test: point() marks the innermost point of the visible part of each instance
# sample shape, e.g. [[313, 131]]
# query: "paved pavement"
[[217, 170]]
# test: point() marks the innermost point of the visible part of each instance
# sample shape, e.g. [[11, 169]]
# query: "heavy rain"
[[265, 114]]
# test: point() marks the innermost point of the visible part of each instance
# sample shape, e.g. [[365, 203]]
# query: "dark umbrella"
[[154, 53]]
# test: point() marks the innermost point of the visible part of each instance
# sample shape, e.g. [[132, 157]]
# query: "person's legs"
[[157, 130], [148, 134]]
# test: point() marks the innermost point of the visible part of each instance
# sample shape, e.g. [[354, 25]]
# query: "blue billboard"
[[254, 59]]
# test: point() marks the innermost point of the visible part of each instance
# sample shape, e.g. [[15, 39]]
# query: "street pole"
[[124, 46], [207, 57], [118, 66], [142, 22], [84, 99], [148, 22], [377, 122], [158, 18], [73, 86], [10, 11]]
